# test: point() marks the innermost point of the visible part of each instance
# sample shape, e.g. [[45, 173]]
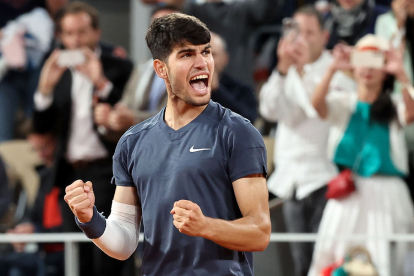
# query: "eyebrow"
[[188, 50]]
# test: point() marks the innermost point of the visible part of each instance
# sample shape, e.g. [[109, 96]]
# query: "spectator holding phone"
[[302, 168], [397, 26], [367, 137], [67, 92]]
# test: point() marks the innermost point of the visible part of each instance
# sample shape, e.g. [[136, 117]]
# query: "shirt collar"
[[322, 59]]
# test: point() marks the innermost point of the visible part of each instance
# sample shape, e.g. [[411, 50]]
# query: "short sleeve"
[[122, 176], [247, 153]]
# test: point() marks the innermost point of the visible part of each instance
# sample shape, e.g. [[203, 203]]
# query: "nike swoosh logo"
[[195, 150]]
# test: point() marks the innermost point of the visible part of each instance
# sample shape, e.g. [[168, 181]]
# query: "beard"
[[178, 90]]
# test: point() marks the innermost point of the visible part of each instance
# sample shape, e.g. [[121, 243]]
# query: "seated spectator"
[[23, 44], [349, 20], [64, 103], [302, 167], [230, 93], [367, 137], [145, 95], [235, 22], [44, 217]]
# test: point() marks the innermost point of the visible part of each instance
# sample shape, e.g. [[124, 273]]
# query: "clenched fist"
[[80, 198], [189, 219]]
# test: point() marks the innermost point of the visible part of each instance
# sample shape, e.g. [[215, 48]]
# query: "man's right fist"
[[80, 198]]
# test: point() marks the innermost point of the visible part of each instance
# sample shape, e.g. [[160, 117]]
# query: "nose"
[[200, 62]]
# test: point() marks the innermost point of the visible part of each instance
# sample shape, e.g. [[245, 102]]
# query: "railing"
[[71, 241]]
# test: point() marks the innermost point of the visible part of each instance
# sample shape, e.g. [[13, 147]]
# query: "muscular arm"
[[249, 233]]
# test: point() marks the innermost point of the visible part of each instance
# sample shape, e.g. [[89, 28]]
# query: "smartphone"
[[71, 58], [368, 59], [290, 28]]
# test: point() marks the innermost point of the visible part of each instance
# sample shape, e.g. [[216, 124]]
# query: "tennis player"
[[195, 173]]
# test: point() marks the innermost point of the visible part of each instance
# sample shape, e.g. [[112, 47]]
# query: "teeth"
[[201, 77]]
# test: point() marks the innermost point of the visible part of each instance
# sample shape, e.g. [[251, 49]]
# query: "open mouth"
[[199, 83]]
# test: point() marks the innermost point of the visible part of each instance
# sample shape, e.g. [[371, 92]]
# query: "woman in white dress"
[[367, 137]]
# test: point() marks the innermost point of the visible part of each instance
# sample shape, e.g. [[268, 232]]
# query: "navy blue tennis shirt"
[[198, 162]]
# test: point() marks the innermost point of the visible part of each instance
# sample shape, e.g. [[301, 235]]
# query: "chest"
[[180, 161]]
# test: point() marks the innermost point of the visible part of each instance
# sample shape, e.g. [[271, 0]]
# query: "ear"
[[160, 68]]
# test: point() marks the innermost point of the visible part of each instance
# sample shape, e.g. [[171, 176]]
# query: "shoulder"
[[238, 128], [130, 138], [340, 105], [110, 60], [387, 17]]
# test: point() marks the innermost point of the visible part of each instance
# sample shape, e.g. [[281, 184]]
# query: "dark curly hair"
[[173, 30]]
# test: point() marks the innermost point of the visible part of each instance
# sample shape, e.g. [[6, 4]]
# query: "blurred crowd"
[[327, 83]]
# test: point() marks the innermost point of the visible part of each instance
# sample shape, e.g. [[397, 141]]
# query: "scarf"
[[348, 22]]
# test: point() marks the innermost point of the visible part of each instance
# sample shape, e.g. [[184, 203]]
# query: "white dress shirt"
[[84, 143], [301, 138]]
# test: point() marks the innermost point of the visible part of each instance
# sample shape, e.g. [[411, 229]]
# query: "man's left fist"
[[189, 219]]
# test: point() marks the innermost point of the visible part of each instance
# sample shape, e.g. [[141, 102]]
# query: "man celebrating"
[[194, 173]]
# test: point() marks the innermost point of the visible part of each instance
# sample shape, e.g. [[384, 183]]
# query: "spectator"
[[397, 26], [367, 137], [302, 168], [64, 105], [44, 217], [145, 95], [349, 20], [23, 43], [234, 22], [230, 93]]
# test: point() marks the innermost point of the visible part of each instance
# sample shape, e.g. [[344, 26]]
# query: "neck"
[[368, 94], [179, 114], [316, 57]]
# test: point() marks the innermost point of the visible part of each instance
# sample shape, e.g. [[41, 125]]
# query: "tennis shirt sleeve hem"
[[261, 170], [122, 183]]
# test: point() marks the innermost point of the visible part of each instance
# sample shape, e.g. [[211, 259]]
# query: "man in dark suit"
[[64, 105], [227, 91]]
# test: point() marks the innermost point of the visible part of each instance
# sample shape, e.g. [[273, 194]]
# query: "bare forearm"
[[319, 96], [245, 234]]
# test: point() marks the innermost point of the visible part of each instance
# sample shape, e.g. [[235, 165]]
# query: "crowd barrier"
[[71, 241]]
